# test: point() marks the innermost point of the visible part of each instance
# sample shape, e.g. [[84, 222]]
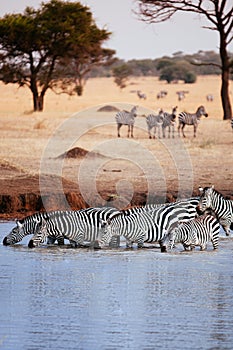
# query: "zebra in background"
[[155, 121], [223, 208], [232, 124], [210, 97], [181, 95], [191, 119], [31, 224], [126, 118], [169, 122], [141, 95], [196, 232], [161, 94], [146, 224]]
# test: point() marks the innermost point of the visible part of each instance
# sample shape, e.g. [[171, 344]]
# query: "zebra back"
[[125, 117]]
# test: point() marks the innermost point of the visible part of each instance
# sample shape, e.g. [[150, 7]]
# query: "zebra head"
[[205, 201], [105, 232], [201, 111], [134, 111], [169, 239], [40, 235], [16, 234]]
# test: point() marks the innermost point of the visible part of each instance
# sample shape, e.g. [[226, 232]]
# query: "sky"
[[132, 38]]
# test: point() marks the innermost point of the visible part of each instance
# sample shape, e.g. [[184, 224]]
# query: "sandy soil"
[[100, 168]]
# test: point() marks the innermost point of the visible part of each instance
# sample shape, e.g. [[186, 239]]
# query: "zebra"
[[169, 121], [154, 121], [31, 224], [191, 119], [196, 232], [27, 226], [209, 98], [223, 208], [126, 118], [161, 94], [146, 224], [181, 95], [77, 226], [232, 124], [141, 95]]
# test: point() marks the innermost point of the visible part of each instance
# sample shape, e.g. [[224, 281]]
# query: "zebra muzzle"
[[31, 244], [5, 242]]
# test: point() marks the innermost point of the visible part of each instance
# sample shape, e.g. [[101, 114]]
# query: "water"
[[62, 298]]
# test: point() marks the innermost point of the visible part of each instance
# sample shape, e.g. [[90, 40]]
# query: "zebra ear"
[[200, 189], [18, 223]]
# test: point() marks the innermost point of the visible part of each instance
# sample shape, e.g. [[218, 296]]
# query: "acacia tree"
[[32, 44], [220, 15], [121, 75]]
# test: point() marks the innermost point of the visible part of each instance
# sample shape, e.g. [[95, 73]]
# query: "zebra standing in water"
[[191, 119], [76, 226], [126, 118], [196, 232], [169, 122], [155, 121], [223, 208], [144, 224], [57, 227]]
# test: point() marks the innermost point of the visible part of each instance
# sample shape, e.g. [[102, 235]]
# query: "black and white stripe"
[[126, 118], [191, 119], [147, 224], [196, 232], [223, 208], [169, 122], [76, 226], [155, 121], [232, 124]]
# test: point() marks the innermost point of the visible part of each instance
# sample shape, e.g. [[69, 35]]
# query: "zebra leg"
[[128, 130], [115, 242], [118, 129], [163, 130], [182, 129], [194, 130], [154, 132], [149, 134], [132, 131], [173, 132]]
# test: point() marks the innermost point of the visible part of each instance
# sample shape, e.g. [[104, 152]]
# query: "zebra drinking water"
[[149, 225], [126, 118], [169, 122], [155, 121], [223, 208], [191, 119], [196, 232], [61, 225], [76, 226]]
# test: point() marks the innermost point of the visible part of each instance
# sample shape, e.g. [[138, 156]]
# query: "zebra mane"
[[35, 215]]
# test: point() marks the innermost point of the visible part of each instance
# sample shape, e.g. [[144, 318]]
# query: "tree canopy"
[[218, 13], [35, 45]]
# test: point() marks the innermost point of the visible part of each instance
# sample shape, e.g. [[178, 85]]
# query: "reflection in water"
[[61, 298]]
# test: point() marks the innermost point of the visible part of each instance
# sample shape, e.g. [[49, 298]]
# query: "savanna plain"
[[71, 149]]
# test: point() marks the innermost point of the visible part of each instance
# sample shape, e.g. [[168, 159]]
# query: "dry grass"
[[25, 134]]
